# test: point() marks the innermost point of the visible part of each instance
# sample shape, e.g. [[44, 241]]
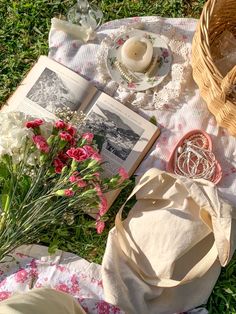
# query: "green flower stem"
[[2, 223]]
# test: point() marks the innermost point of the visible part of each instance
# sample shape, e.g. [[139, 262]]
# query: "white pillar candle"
[[136, 53]]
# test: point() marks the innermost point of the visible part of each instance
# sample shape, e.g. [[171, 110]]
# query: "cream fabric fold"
[[41, 301], [166, 256], [74, 31]]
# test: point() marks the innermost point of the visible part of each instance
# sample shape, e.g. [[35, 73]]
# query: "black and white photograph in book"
[[52, 91], [113, 131]]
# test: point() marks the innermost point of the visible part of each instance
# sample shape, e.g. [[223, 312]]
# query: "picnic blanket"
[[178, 108], [175, 103]]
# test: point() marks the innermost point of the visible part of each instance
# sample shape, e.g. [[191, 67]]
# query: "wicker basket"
[[217, 16]]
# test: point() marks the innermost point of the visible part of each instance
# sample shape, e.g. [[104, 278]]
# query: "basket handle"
[[228, 83]]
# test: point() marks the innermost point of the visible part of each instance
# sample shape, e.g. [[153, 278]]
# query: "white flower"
[[46, 129], [33, 158], [13, 135]]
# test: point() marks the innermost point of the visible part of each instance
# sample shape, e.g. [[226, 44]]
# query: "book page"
[[123, 137], [48, 86]]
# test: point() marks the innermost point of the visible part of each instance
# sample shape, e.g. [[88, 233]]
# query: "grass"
[[24, 26]]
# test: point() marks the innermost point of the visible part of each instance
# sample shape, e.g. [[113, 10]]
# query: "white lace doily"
[[171, 87]]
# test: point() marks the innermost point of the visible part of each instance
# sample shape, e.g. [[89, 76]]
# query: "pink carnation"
[[71, 130], [41, 143], [81, 183], [69, 192], [72, 142], [96, 175], [99, 191], [73, 179], [34, 123], [96, 156], [65, 136], [58, 164], [63, 157], [88, 137], [123, 174], [79, 154], [103, 206], [60, 124], [90, 150], [100, 225]]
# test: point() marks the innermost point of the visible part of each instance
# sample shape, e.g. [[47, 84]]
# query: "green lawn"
[[24, 27]]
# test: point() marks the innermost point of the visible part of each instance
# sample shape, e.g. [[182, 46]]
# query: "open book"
[[123, 136]]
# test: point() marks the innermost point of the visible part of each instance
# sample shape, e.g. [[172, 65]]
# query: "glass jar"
[[85, 14]]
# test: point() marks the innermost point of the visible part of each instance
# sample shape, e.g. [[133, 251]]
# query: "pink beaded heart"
[[193, 157]]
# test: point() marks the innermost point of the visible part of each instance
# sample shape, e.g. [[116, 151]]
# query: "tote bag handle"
[[198, 270]]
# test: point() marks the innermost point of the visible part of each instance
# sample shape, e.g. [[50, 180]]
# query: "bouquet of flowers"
[[49, 172]]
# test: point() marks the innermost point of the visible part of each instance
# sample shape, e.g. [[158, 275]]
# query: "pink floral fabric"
[[33, 268]]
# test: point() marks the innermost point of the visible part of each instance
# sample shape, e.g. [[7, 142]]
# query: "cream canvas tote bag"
[[167, 255]]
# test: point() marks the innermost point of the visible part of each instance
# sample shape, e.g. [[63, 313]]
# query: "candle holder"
[[85, 14]]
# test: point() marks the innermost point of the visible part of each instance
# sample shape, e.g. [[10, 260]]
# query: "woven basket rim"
[[204, 34], [207, 75]]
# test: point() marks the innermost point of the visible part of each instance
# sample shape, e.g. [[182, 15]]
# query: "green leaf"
[[153, 120], [5, 199], [228, 290], [4, 173], [24, 185]]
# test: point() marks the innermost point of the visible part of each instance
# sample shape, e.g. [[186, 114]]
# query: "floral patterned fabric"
[[32, 267]]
